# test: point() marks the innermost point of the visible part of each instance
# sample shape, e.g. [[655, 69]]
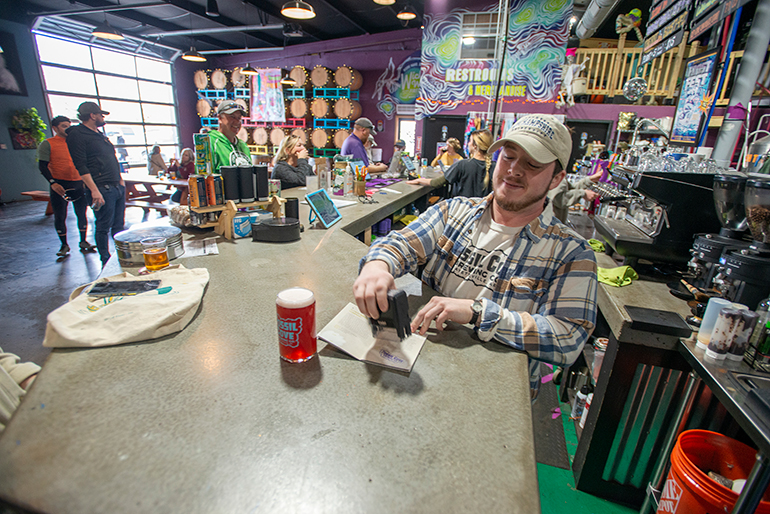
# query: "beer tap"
[[649, 122]]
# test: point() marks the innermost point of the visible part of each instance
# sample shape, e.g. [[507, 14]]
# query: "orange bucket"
[[688, 488]]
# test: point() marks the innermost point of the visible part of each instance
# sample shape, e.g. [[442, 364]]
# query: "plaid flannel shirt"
[[545, 300]]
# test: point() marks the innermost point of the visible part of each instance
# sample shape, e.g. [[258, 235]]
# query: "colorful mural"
[[398, 85], [267, 96], [537, 38]]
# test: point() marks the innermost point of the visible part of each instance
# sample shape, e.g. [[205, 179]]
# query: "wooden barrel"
[[200, 79], [319, 107], [298, 108], [345, 76], [238, 78], [301, 134], [321, 76], [299, 75], [243, 134], [203, 107], [347, 108], [218, 79], [339, 137], [276, 136], [259, 136], [319, 138], [243, 103]]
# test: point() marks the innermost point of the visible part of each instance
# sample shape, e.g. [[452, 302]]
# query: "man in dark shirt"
[[94, 158]]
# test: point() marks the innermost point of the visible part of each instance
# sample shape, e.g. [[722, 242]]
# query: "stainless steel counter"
[[210, 420]]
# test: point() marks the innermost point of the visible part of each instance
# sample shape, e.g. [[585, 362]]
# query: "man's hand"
[[58, 189], [371, 288], [422, 181], [442, 309], [97, 199], [591, 195]]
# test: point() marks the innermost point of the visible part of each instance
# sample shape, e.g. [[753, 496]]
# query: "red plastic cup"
[[296, 324]]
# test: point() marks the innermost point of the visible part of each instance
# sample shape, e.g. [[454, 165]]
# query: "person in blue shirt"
[[354, 144]]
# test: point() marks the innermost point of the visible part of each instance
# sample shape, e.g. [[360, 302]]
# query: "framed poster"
[[694, 100], [11, 77]]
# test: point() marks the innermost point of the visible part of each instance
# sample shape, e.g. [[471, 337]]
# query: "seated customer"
[[374, 167], [397, 167], [155, 163], [183, 171], [450, 153], [469, 177], [290, 163]]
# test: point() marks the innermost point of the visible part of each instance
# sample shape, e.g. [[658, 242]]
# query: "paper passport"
[[351, 332]]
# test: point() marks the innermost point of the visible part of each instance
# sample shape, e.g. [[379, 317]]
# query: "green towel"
[[618, 277], [597, 245]]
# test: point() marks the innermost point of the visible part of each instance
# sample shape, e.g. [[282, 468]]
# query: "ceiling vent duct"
[[595, 15]]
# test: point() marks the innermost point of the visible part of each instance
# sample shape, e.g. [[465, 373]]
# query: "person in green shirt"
[[226, 148]]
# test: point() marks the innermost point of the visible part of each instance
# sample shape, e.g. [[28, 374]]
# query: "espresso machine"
[[744, 274], [654, 215], [709, 249]]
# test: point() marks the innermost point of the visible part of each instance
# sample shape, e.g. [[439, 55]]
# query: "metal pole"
[[745, 81], [754, 487]]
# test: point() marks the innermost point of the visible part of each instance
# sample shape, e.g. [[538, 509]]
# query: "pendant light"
[[193, 55], [248, 70], [212, 9], [298, 10], [407, 13], [384, 2], [106, 31]]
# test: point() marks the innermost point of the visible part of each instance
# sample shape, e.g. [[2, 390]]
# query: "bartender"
[[226, 148]]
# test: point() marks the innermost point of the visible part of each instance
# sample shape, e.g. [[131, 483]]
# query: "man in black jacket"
[[94, 158]]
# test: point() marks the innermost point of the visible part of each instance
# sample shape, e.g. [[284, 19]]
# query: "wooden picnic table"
[[149, 192]]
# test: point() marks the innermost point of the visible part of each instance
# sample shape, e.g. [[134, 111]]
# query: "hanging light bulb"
[[286, 80], [385, 2], [193, 55], [106, 31], [298, 10], [407, 13], [248, 70], [212, 9]]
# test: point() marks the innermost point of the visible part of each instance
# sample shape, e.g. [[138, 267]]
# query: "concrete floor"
[[33, 280]]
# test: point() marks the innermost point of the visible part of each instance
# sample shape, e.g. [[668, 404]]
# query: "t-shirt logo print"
[[478, 266], [289, 330]]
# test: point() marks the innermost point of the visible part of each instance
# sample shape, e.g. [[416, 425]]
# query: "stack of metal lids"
[[129, 247]]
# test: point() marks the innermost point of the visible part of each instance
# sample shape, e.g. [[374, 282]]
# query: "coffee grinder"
[[744, 276], [709, 249]]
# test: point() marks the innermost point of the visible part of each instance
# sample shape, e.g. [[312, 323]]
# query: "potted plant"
[[28, 129]]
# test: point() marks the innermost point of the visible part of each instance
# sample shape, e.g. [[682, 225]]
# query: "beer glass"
[[155, 252], [296, 324]]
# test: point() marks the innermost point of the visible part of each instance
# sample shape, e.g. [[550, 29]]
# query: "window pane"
[[114, 62], [69, 81], [122, 111], [117, 87], [154, 92], [159, 135], [66, 106], [158, 113], [63, 52], [136, 156], [154, 70], [125, 134]]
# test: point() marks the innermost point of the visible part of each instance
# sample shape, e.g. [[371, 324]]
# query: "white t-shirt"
[[475, 273]]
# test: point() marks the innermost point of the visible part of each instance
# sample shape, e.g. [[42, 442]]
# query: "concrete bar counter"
[[210, 419]]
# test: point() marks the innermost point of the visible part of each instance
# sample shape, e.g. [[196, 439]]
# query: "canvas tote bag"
[[90, 322]]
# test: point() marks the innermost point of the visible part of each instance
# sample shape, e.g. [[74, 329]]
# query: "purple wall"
[[367, 54]]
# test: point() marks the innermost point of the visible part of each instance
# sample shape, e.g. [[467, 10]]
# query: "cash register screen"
[[323, 207]]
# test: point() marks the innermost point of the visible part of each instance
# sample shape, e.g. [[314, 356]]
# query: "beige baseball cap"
[[542, 136]]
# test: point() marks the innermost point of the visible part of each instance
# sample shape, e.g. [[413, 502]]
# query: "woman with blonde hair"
[[450, 153], [290, 163], [469, 177]]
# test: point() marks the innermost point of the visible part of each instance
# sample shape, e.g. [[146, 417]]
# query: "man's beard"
[[516, 206], [100, 123]]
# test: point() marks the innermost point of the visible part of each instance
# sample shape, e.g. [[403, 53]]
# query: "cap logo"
[[536, 126]]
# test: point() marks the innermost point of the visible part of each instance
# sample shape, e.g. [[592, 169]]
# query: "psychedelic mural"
[[398, 85], [531, 72], [267, 96]]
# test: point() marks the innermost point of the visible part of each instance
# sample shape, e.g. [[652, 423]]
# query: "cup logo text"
[[289, 330]]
